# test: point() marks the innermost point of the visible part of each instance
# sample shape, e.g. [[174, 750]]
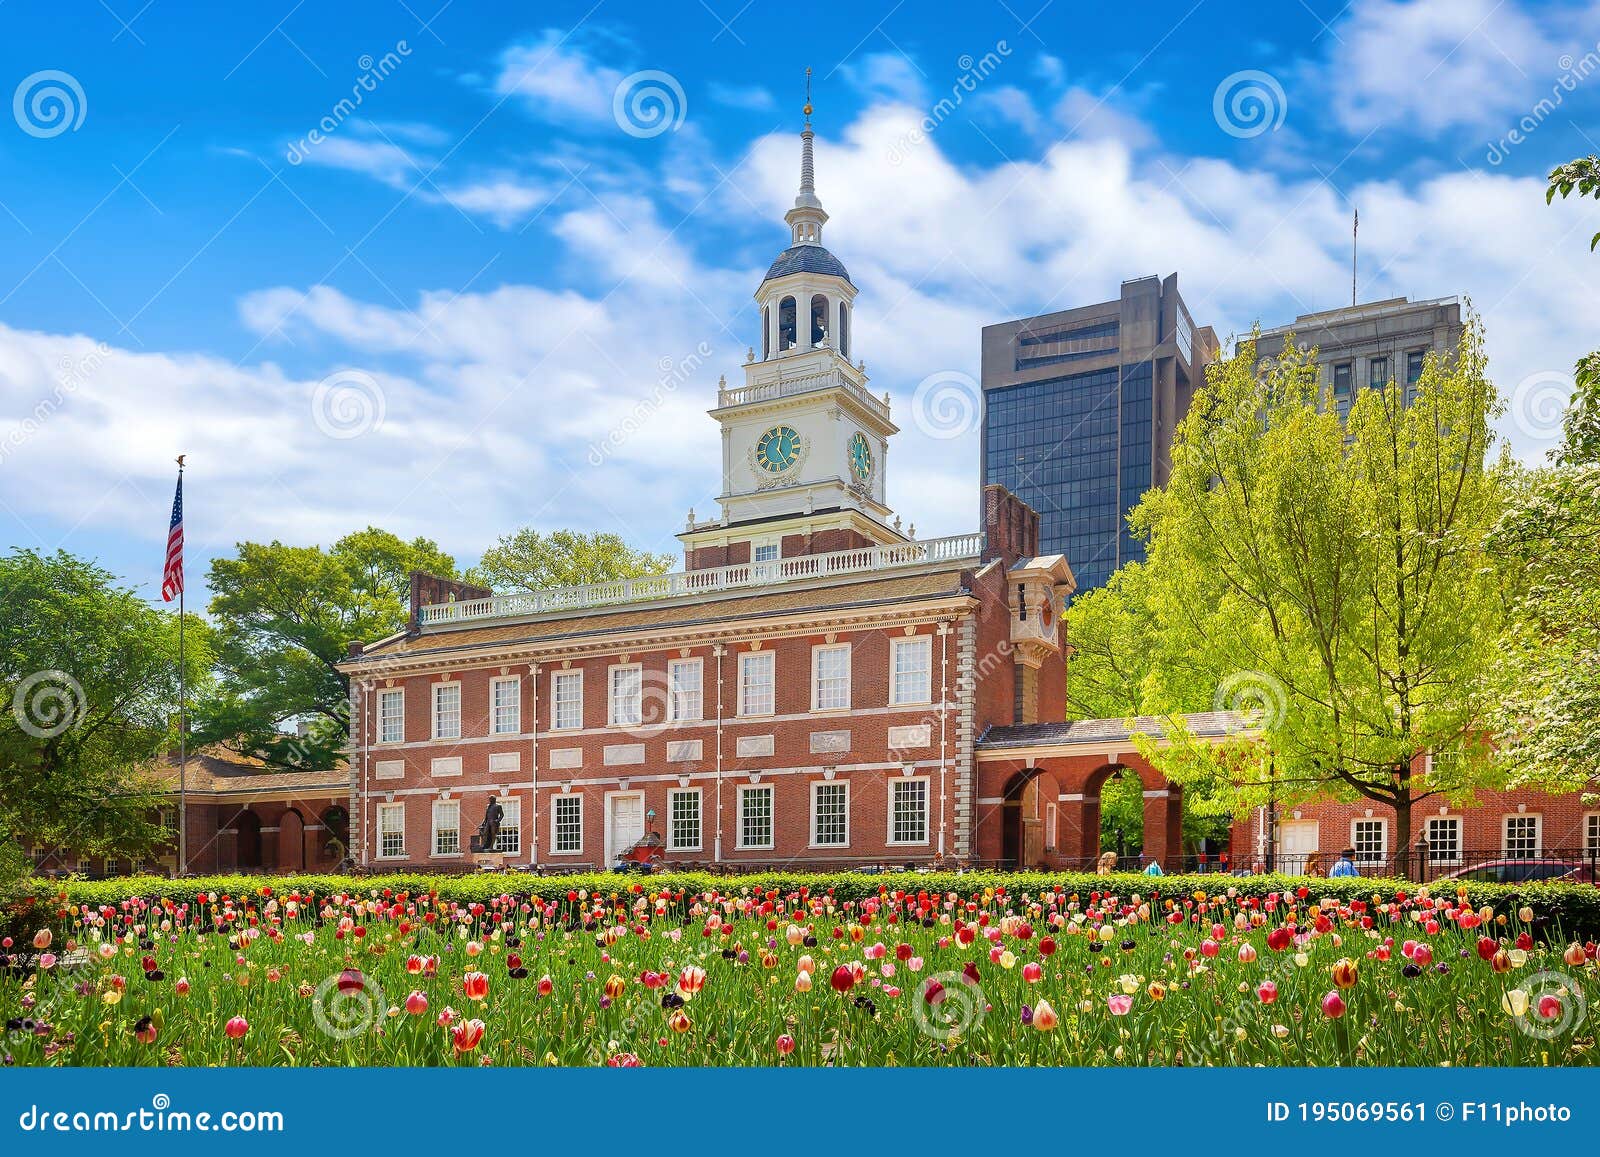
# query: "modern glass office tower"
[[1079, 410]]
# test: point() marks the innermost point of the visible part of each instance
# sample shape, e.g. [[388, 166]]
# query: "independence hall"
[[815, 688]]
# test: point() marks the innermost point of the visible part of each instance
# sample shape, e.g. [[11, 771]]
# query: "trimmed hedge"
[[1567, 910]]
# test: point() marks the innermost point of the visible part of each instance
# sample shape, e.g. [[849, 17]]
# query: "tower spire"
[[807, 217]]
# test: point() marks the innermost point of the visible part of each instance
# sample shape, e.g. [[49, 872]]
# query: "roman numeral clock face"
[[861, 457], [778, 449]]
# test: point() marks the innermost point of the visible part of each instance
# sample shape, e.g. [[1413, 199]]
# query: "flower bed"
[[630, 972]]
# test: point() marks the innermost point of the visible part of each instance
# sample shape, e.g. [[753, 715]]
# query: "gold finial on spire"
[[807, 109]]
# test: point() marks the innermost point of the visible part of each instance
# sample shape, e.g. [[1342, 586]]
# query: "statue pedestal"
[[489, 861]]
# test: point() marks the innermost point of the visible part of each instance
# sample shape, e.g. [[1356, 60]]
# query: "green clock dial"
[[778, 449], [861, 457]]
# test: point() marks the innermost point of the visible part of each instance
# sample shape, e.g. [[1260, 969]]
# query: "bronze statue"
[[489, 829]]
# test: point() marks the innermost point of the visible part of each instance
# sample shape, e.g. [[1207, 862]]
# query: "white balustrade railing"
[[700, 582], [789, 387]]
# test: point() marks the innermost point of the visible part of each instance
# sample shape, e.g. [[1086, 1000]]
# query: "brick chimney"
[[1010, 526], [430, 590]]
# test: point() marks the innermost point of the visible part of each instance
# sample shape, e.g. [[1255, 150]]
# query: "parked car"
[[1542, 870]]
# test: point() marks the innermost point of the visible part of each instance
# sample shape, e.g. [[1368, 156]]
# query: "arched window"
[[819, 319], [766, 332], [844, 331], [787, 333]]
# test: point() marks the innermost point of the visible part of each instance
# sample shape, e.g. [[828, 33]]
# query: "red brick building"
[[817, 686]]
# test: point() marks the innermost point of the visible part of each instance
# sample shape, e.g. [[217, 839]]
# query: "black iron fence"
[[1425, 865]]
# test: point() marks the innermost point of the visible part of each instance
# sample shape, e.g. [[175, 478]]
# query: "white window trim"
[[379, 740], [516, 682], [433, 723], [555, 700], [672, 697], [927, 802], [772, 817], [1588, 817], [433, 838], [555, 808], [758, 656], [700, 825], [1461, 838], [507, 803], [765, 568], [816, 787], [611, 696], [816, 670], [923, 641], [1538, 832], [1383, 822], [1052, 816]]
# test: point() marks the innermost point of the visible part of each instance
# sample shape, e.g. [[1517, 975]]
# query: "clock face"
[[778, 449], [861, 457]]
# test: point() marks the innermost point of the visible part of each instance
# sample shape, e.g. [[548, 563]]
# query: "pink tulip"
[[1032, 973], [1119, 1004], [236, 1028], [416, 1004], [1267, 991], [1333, 1006], [1247, 953]]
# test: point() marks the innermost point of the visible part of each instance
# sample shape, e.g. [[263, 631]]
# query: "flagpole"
[[183, 728]]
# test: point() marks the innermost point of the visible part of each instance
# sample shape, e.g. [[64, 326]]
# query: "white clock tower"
[[804, 441]]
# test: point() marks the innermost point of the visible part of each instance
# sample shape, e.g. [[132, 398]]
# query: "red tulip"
[[1422, 954], [691, 980], [414, 965], [475, 985], [416, 1004], [843, 980], [1550, 1006], [785, 1045], [1575, 956], [934, 992], [1032, 973], [546, 986], [1280, 939], [1333, 1006], [1267, 991], [351, 980], [236, 1028], [466, 1035], [1047, 946], [1487, 948], [1525, 942]]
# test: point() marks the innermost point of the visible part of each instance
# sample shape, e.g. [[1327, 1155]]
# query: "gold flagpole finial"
[[808, 96]]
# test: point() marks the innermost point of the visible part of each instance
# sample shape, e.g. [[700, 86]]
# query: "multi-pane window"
[[391, 716], [912, 670], [446, 827], [1343, 373], [566, 818], [755, 816], [1370, 839], [1591, 835], [566, 692], [830, 678], [447, 710], [764, 552], [627, 696], [1522, 835], [1443, 834], [505, 706], [755, 683], [685, 693], [830, 815], [1378, 373], [509, 840], [908, 811], [683, 819], [391, 830], [1414, 360]]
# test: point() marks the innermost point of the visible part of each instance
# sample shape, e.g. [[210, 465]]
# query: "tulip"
[[1208, 947], [351, 980], [679, 1021], [802, 982], [1267, 992], [416, 1004], [785, 1045], [1515, 1002], [41, 939], [145, 1031], [691, 980], [1487, 948], [1422, 955], [1247, 953], [1575, 956], [182, 987], [1550, 1006], [1345, 972], [1045, 1017], [236, 1028], [1333, 1006], [467, 1035], [1501, 961], [843, 979], [1032, 973], [624, 1061], [545, 986], [1119, 1003], [475, 985], [615, 986], [806, 964], [47, 961]]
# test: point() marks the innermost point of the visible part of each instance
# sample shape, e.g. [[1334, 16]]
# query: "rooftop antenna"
[[1355, 228]]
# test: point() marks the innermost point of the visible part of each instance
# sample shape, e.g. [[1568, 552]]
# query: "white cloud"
[[887, 76], [752, 98], [1427, 65], [556, 80]]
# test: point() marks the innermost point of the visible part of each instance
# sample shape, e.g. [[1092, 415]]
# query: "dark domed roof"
[[807, 259]]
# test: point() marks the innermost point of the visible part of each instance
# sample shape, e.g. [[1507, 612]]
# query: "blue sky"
[[486, 297]]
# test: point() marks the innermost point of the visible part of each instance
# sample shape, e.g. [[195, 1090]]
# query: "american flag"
[[172, 576]]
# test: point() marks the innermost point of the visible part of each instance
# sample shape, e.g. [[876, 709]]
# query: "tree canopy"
[[92, 671], [527, 560]]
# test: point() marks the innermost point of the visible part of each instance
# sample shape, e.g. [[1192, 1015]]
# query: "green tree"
[[284, 617], [528, 560], [1331, 579], [91, 675]]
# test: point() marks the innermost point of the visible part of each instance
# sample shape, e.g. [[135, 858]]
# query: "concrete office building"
[[1079, 412], [1371, 344]]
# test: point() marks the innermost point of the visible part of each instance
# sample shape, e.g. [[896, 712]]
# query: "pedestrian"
[[1345, 865]]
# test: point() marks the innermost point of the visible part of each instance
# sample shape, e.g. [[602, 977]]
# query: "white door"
[[624, 825], [1298, 842]]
